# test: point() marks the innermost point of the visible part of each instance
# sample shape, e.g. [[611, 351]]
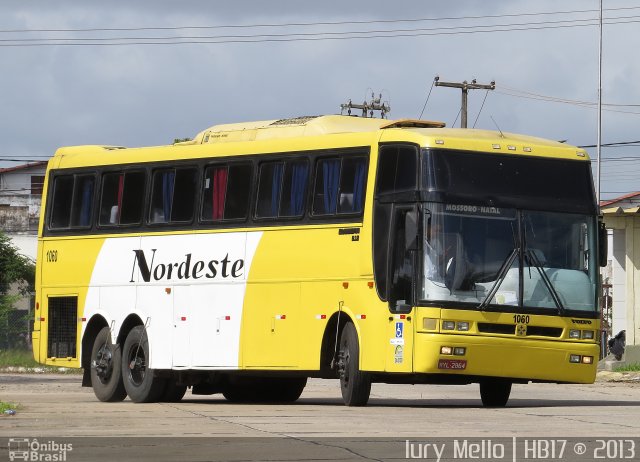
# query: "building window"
[[37, 182]]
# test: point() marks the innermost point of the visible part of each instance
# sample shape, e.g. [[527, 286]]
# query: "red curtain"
[[219, 177]]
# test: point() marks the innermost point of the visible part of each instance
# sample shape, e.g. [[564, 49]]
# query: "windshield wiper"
[[547, 282], [500, 277]]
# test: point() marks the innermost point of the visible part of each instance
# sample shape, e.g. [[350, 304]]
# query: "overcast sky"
[[99, 91]]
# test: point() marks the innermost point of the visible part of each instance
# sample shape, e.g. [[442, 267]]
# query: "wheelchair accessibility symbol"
[[399, 329]]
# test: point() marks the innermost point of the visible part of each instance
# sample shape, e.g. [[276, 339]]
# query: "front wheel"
[[139, 380], [106, 373], [355, 385], [495, 393]]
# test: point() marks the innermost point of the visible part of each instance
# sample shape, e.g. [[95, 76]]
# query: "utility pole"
[[465, 87]]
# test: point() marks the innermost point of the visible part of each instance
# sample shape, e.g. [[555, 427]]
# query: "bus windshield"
[[492, 257]]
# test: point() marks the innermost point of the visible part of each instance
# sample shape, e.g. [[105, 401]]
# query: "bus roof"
[[422, 132]]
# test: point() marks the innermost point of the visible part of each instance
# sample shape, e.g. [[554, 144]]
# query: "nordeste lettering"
[[186, 268]]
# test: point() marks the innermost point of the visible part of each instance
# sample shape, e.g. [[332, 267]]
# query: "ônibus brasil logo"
[[185, 268]]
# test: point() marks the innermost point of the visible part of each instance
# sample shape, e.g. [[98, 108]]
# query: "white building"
[[20, 201], [20, 198], [622, 216]]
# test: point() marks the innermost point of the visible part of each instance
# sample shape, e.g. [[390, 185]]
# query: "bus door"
[[403, 257]]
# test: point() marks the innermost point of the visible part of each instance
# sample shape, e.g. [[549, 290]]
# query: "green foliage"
[[17, 358], [4, 406], [628, 368], [14, 267], [180, 140], [16, 272]]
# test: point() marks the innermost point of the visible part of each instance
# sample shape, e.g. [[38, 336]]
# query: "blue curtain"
[[167, 193], [299, 178], [275, 189], [330, 177], [358, 186], [85, 209]]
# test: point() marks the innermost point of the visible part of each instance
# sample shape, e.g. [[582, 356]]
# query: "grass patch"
[[628, 368], [10, 360], [17, 358], [4, 406]]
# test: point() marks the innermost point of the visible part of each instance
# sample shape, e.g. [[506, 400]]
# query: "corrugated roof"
[[23, 166], [620, 211], [621, 198]]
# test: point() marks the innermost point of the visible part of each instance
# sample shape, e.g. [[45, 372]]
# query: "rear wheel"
[[106, 373], [354, 384], [139, 380], [495, 393]]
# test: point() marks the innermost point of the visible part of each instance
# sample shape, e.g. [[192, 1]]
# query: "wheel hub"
[[103, 363]]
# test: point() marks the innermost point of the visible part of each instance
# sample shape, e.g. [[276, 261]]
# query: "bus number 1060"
[[521, 318], [52, 256]]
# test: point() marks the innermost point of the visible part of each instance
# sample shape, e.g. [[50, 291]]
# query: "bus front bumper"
[[517, 358]]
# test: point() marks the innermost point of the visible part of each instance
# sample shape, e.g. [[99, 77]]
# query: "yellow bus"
[[260, 254]]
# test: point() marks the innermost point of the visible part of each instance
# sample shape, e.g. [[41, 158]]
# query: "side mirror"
[[603, 244], [411, 240]]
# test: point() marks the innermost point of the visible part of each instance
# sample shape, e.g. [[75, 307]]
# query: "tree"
[[17, 277], [14, 268]]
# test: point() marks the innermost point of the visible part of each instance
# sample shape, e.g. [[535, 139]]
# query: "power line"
[[613, 145], [303, 37], [323, 23]]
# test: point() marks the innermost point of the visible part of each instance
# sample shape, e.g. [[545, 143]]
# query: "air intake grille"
[[63, 325], [544, 331], [509, 329], [490, 328]]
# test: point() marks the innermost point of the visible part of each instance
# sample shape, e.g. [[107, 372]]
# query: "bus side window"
[[226, 192], [72, 201], [352, 182], [173, 195], [326, 188], [82, 201], [268, 202], [62, 196], [294, 188], [340, 186], [122, 198], [397, 169]]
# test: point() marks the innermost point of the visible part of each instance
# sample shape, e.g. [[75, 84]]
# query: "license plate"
[[453, 364]]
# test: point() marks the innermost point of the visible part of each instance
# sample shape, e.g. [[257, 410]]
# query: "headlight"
[[574, 334], [587, 334], [448, 325]]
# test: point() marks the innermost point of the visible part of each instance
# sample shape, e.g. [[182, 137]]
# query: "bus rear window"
[[72, 201]]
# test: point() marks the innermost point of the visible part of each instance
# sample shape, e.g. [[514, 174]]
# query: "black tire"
[[173, 392], [264, 389], [495, 393], [106, 371], [139, 380], [355, 385]]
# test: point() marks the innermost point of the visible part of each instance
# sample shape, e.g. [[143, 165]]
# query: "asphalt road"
[[55, 408]]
